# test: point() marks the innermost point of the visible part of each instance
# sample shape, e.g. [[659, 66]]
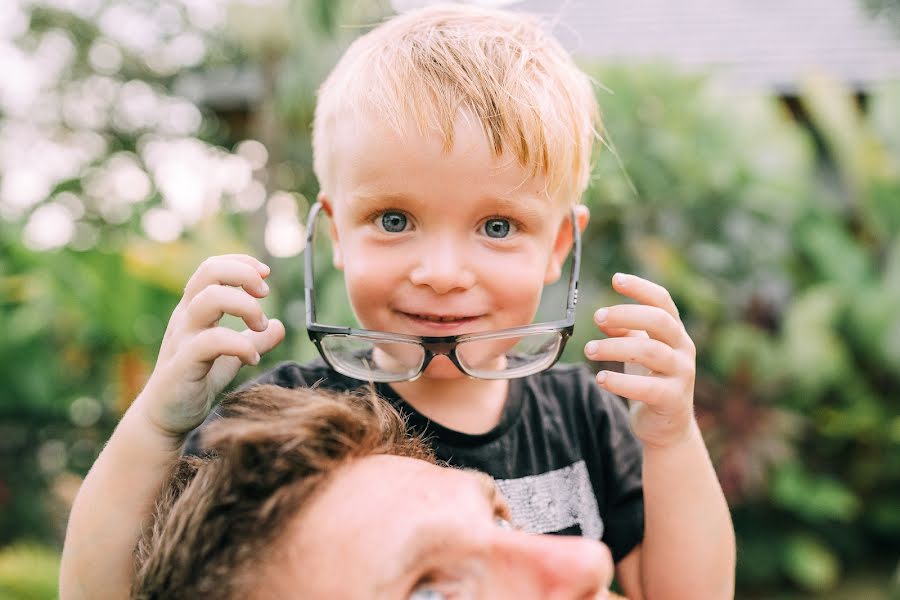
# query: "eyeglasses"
[[383, 357]]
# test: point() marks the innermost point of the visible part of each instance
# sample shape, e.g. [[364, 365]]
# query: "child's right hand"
[[198, 358]]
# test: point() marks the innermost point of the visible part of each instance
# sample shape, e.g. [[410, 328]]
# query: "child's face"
[[435, 243]]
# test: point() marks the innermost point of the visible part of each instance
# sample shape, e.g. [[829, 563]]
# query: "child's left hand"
[[651, 335]]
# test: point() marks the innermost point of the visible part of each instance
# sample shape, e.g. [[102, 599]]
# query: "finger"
[[262, 267], [645, 292], [658, 392], [215, 301], [237, 270], [612, 331], [650, 353], [631, 368], [210, 344], [658, 323], [226, 367], [266, 340]]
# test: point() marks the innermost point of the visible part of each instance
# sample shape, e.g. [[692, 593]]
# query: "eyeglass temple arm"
[[576, 267], [308, 296]]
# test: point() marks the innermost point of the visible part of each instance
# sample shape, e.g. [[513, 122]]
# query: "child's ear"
[[337, 256], [564, 242]]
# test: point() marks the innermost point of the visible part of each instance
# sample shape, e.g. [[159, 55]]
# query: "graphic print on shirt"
[[554, 501]]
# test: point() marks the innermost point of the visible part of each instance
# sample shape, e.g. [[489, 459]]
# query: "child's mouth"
[[443, 321], [436, 319]]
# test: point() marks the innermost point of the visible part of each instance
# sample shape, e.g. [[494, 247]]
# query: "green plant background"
[[773, 224]]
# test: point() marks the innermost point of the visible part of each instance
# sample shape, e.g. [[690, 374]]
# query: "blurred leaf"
[[836, 255], [884, 100], [811, 352], [813, 497], [756, 562], [875, 325], [885, 518], [883, 208], [850, 141], [810, 564], [862, 158], [891, 272], [739, 344], [894, 431]]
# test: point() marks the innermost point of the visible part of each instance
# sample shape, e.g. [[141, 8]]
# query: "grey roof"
[[759, 43]]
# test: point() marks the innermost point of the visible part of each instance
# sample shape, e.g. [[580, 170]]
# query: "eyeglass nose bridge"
[[441, 348]]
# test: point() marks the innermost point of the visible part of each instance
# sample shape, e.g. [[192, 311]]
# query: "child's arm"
[[688, 549], [196, 361]]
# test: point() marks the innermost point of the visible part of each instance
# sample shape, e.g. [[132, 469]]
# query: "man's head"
[[310, 495], [450, 144]]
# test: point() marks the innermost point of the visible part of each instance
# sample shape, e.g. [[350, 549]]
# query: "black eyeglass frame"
[[435, 345]]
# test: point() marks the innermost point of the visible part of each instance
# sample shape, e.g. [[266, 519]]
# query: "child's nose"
[[557, 567], [443, 266]]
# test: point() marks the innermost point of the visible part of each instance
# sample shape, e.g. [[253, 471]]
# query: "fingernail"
[[620, 279], [256, 359], [264, 288], [601, 376], [591, 348], [265, 321], [265, 268], [600, 315]]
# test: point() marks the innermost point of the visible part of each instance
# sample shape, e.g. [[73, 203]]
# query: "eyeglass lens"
[[493, 358]]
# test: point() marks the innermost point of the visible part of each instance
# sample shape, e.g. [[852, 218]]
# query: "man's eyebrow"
[[425, 541], [492, 493]]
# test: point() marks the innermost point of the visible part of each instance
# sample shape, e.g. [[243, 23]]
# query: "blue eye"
[[426, 592], [393, 222], [497, 228]]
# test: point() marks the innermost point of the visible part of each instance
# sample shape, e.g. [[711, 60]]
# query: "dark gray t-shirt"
[[563, 453]]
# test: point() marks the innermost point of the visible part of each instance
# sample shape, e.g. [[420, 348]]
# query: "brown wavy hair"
[[221, 515]]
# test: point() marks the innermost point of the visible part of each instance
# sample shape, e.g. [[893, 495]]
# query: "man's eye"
[[497, 228], [427, 592], [393, 222]]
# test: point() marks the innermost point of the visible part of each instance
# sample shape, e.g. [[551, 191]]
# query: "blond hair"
[[429, 65]]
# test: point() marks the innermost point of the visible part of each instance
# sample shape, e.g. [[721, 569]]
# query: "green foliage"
[[783, 261], [810, 563], [816, 499], [28, 572]]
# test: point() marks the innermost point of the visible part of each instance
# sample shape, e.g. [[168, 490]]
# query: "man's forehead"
[[404, 469], [390, 480]]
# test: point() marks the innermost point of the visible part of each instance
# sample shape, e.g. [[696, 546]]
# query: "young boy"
[[452, 145]]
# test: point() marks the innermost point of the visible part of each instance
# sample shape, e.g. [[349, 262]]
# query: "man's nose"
[[443, 265], [558, 567]]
